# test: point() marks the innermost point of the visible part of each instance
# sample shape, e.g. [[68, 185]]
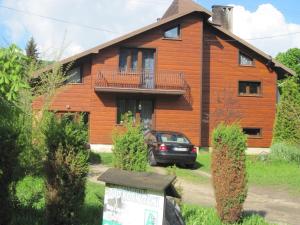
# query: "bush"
[[229, 171], [285, 152], [66, 169], [9, 151], [287, 123], [30, 192], [129, 148]]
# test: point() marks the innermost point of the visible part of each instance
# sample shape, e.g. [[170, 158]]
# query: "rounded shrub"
[[229, 171], [129, 148], [30, 192]]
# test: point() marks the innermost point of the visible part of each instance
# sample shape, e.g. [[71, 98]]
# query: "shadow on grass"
[[94, 158], [250, 213]]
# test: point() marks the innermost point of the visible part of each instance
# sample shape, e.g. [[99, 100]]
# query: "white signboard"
[[130, 206]]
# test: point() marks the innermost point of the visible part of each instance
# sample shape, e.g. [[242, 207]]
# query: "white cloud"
[[119, 16], [266, 21], [122, 16]]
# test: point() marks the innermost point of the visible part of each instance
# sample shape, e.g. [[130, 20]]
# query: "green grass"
[[91, 213], [187, 174], [101, 158], [195, 215], [264, 173], [274, 173]]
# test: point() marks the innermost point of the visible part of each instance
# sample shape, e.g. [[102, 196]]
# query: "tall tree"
[[291, 58], [31, 50]]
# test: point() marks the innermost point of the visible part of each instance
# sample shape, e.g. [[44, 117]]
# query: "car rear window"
[[173, 138]]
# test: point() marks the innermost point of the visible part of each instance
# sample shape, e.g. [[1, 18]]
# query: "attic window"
[[245, 60], [172, 33], [74, 76]]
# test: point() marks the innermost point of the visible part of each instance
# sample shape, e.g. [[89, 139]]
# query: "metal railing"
[[163, 80]]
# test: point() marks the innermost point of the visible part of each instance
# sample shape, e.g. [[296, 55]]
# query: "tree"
[[287, 123], [229, 171], [31, 50]]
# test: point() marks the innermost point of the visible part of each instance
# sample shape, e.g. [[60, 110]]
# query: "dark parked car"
[[170, 147]]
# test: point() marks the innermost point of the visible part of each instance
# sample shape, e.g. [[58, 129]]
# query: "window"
[[253, 132], [134, 59], [125, 106], [245, 60], [74, 76], [249, 88], [173, 33]]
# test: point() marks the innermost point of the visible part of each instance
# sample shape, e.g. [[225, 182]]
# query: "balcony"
[[144, 82]]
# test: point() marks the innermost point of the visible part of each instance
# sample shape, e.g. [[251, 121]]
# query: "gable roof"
[[177, 9]]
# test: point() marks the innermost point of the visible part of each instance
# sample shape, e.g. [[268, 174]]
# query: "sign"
[[130, 206]]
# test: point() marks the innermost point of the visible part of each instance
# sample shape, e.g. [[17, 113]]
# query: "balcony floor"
[[140, 90]]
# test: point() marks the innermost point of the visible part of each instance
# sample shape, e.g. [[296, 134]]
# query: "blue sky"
[[252, 19]]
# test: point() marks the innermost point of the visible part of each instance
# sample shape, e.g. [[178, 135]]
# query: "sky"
[[77, 25]]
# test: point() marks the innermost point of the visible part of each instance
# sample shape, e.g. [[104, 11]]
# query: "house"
[[182, 73]]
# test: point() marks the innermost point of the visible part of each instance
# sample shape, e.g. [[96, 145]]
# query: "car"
[[169, 147]]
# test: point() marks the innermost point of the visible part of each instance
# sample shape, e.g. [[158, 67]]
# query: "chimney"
[[222, 16]]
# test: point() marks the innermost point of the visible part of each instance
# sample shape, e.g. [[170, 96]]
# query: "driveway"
[[275, 205]]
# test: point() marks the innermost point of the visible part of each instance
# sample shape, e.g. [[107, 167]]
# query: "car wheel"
[[151, 159]]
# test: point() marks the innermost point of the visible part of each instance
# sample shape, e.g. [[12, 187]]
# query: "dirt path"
[[275, 205]]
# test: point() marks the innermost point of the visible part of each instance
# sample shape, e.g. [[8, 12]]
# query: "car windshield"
[[173, 138]]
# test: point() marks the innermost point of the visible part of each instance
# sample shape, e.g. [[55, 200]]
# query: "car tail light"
[[163, 148], [194, 150]]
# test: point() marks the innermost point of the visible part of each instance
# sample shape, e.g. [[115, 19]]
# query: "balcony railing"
[[161, 82]]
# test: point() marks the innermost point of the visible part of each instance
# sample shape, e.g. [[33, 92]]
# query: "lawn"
[[265, 173], [101, 158], [187, 174], [195, 215]]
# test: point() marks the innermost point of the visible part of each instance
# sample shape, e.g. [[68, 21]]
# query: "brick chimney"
[[222, 16]]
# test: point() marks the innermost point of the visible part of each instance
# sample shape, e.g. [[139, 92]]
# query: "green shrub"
[[285, 152], [30, 192], [129, 148], [9, 151], [287, 123], [229, 171], [66, 169]]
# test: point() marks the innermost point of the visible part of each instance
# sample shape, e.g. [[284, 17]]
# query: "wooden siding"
[[221, 73]]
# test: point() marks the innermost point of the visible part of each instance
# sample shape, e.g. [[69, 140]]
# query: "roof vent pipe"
[[222, 16]]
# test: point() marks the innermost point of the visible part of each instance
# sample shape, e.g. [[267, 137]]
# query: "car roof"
[[166, 132]]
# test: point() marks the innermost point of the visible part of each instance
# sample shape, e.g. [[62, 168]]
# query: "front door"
[[148, 68], [146, 114]]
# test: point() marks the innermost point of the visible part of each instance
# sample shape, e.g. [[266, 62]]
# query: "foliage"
[[12, 72], [195, 215], [9, 150], [129, 148], [31, 50], [30, 192], [66, 168], [229, 171], [291, 59], [286, 152], [90, 213]]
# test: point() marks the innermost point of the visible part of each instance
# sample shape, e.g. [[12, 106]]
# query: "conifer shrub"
[[129, 148], [66, 169], [229, 171]]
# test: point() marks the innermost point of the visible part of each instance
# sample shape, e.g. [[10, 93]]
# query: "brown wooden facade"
[[209, 64]]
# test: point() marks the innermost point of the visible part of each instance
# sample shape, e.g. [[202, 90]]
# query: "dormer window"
[[172, 33], [245, 60]]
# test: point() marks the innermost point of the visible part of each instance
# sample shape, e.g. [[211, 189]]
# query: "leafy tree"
[[12, 72], [229, 171], [31, 50], [287, 123]]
